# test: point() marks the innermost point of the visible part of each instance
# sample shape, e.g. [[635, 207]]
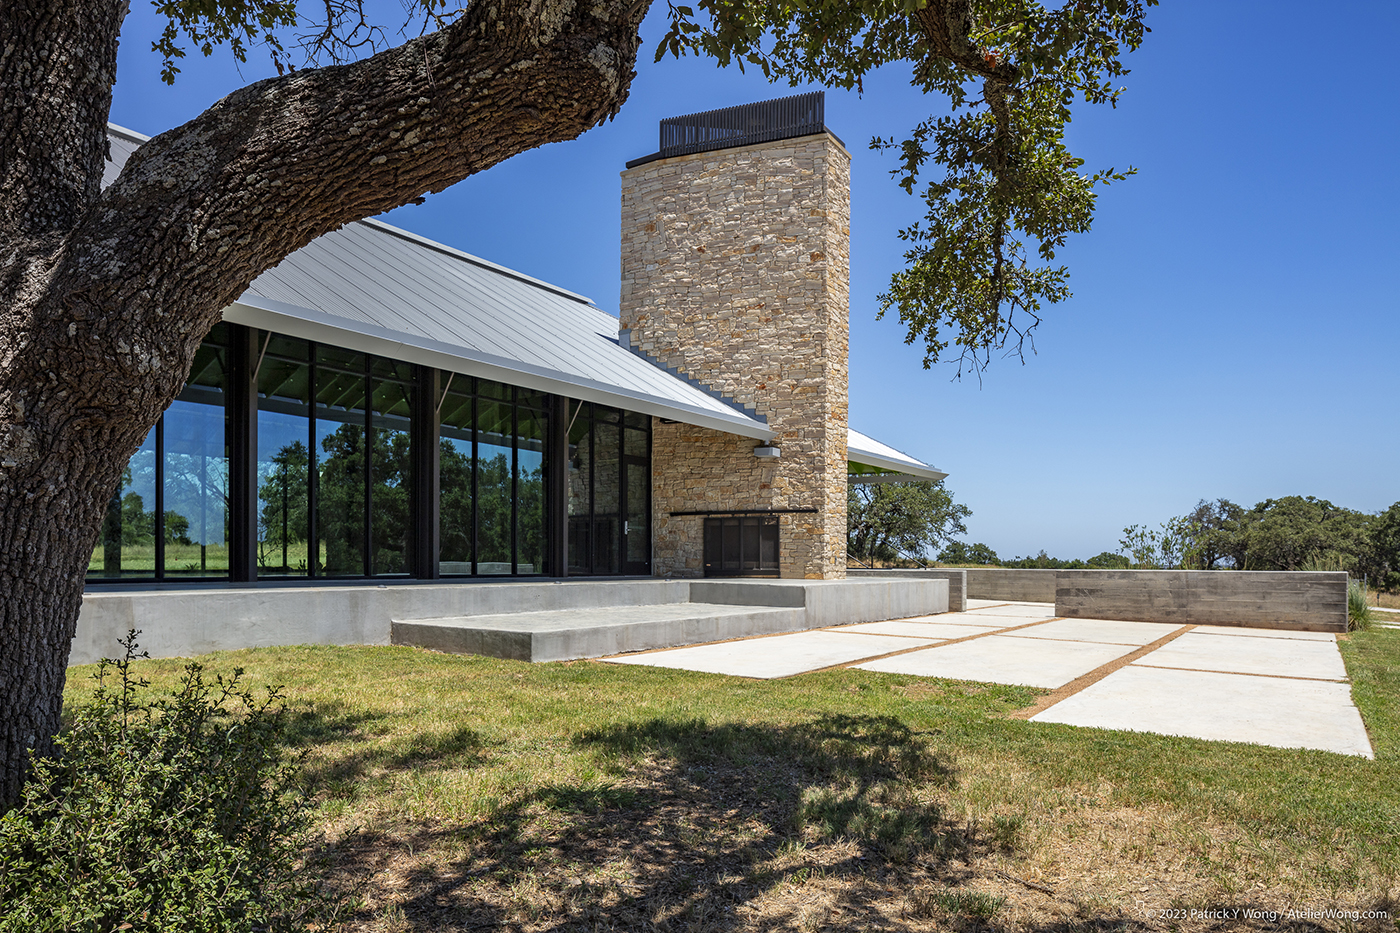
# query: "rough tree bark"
[[105, 295]]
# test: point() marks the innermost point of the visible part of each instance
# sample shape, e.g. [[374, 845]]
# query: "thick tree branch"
[[57, 65], [105, 295]]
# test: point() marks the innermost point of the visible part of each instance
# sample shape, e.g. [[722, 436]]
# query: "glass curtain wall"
[[334, 479], [333, 471], [169, 516], [609, 490], [491, 472]]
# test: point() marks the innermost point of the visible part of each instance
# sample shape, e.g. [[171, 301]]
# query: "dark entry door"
[[741, 546], [636, 511]]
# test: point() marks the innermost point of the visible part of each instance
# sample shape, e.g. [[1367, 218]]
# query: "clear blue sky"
[[1234, 326]]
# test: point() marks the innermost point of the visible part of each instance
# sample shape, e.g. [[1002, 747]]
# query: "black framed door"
[[741, 546], [636, 511]]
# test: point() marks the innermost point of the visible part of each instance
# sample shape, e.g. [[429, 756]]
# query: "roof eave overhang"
[[295, 321], [909, 472]]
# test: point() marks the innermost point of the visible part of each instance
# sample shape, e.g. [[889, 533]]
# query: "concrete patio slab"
[[778, 656], [982, 620], [1020, 610], [917, 629], [1279, 657], [1223, 707], [1099, 630], [1265, 633], [984, 603], [1003, 659]]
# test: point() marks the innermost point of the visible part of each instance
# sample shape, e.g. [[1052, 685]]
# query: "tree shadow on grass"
[[329, 723], [704, 827]]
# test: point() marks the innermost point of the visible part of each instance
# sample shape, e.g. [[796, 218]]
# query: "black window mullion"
[[476, 500], [367, 386], [159, 523], [514, 481], [313, 478], [592, 492]]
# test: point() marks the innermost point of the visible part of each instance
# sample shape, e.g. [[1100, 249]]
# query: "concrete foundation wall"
[[180, 623], [1264, 599], [1034, 586], [957, 581]]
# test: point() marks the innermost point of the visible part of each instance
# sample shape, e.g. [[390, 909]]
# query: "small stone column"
[[736, 271]]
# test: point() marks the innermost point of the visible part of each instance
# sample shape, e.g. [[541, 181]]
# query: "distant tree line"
[[1291, 533]]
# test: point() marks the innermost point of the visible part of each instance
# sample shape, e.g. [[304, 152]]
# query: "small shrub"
[[175, 813], [1358, 611]]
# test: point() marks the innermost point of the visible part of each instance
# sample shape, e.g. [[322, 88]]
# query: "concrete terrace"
[[1270, 687]]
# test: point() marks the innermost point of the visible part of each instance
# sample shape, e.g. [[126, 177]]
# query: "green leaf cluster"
[[1289, 533], [887, 521], [177, 813], [1007, 191]]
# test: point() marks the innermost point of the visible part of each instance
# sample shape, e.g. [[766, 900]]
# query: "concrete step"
[[568, 634]]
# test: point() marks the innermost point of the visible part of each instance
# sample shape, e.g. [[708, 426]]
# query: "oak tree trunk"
[[106, 295]]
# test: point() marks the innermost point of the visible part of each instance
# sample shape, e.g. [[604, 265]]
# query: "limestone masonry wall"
[[735, 271]]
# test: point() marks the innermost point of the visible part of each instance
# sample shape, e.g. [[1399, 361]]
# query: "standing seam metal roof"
[[375, 288]]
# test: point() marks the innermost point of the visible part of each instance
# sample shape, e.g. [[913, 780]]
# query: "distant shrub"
[[1108, 561], [1358, 611], [959, 552], [177, 813]]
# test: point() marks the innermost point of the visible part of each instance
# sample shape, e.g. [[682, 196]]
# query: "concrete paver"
[[1274, 656], [1227, 683], [775, 656], [1223, 707], [1101, 630], [1022, 611], [1003, 659], [982, 620], [916, 629]]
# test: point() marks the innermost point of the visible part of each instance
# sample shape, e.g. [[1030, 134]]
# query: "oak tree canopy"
[[105, 294]]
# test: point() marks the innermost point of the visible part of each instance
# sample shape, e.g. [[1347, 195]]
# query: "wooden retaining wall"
[[1032, 586], [1296, 600]]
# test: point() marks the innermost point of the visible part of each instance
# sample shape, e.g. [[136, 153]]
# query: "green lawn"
[[461, 792]]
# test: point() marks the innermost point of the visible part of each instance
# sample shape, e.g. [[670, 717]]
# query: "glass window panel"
[[580, 467], [495, 390], [340, 394], [196, 491], [494, 466], [748, 544], [530, 491], [607, 495], [382, 368], [284, 427], [289, 347], [340, 472], [530, 399], [337, 358], [126, 546], [391, 498], [768, 544], [636, 443], [610, 415], [638, 517], [455, 484], [636, 420]]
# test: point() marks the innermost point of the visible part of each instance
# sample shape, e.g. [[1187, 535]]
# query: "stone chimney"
[[735, 272]]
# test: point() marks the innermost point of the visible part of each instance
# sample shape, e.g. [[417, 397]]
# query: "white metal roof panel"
[[865, 450], [372, 287]]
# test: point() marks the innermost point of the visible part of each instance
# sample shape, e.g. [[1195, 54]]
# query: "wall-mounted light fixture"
[[767, 452]]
